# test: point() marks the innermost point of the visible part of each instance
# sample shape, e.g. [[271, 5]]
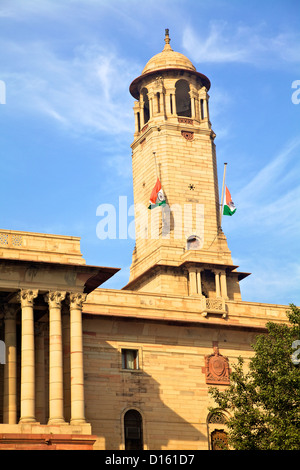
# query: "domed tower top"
[[168, 59]]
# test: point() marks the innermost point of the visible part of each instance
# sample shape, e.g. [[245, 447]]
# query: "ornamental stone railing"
[[214, 305]]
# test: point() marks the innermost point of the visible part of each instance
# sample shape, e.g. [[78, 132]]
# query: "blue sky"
[[67, 122]]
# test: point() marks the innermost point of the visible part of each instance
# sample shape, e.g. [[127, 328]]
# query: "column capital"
[[203, 92], [216, 271], [55, 298], [27, 296], [9, 311], [192, 268], [76, 300], [200, 269]]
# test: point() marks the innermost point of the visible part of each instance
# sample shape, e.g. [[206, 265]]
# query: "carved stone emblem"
[[187, 135], [217, 370]]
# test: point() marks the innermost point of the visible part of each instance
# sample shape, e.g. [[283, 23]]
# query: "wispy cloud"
[[265, 226], [273, 194], [85, 91], [225, 43], [273, 172], [272, 283]]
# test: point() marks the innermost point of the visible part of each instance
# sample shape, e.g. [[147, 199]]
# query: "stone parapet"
[[40, 247], [176, 308]]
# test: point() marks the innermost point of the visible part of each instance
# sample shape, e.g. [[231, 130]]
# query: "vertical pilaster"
[[26, 298], [10, 368], [76, 355], [56, 393], [192, 281]]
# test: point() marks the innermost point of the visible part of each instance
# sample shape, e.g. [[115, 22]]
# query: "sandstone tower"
[[180, 248]]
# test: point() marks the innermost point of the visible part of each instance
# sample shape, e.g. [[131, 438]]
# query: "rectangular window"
[[130, 359]]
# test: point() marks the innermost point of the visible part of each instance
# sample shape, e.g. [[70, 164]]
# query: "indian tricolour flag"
[[157, 197], [228, 207]]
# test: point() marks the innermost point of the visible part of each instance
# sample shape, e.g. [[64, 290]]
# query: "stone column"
[[224, 285], [56, 390], [150, 95], [40, 389], [193, 95], [207, 106], [66, 358], [26, 298], [174, 103], [136, 109], [142, 118], [199, 288], [76, 355], [217, 282], [10, 368]]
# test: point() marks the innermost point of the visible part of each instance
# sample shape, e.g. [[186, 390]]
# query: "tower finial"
[[167, 41], [167, 38]]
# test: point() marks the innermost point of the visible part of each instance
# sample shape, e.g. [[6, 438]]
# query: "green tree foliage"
[[264, 401]]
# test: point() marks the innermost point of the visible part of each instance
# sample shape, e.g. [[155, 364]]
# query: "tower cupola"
[[170, 86]]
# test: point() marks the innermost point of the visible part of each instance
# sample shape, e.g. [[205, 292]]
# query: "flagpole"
[[222, 200], [156, 171]]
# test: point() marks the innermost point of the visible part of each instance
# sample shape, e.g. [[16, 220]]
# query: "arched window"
[[218, 436], [133, 430], [146, 105], [183, 100], [193, 243]]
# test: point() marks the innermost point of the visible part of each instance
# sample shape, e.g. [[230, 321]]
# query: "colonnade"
[[162, 102], [195, 287], [32, 396]]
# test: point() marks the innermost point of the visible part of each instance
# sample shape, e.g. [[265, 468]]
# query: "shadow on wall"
[[125, 405]]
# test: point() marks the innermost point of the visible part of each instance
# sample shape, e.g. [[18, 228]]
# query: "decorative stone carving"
[[217, 418], [217, 370], [76, 300], [55, 298], [187, 135], [7, 239], [26, 297], [184, 120], [213, 305]]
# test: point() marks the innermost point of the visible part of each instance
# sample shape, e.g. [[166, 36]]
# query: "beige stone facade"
[[93, 368]]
